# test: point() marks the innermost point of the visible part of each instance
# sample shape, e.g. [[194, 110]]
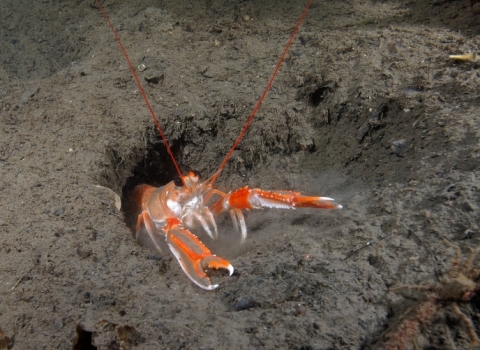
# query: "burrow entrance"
[[154, 168]]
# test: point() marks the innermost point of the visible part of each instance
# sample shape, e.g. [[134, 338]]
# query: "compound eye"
[[178, 181]]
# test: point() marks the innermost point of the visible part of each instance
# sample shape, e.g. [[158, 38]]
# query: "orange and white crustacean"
[[171, 211]]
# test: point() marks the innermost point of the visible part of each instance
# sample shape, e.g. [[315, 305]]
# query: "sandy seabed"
[[367, 109]]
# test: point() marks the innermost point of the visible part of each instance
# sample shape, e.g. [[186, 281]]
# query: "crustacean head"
[[189, 203]]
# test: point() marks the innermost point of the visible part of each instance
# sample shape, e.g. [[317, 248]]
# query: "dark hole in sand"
[[84, 339], [319, 94], [155, 168]]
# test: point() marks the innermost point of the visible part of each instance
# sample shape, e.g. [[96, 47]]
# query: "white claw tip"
[[340, 206], [230, 269], [206, 286]]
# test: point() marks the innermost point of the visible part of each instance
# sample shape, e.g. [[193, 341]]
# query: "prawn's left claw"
[[254, 198], [192, 255]]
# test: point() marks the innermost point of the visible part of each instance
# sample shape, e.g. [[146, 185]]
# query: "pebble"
[[58, 324], [244, 304]]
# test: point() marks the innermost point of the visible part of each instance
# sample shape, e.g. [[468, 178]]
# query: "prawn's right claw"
[[192, 255]]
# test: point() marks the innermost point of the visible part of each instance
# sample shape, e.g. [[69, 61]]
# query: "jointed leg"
[[456, 261], [150, 228], [467, 323]]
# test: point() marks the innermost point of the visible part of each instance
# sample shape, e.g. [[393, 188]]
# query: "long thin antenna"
[[155, 120], [259, 103]]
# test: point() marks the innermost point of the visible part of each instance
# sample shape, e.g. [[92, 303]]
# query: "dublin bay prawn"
[[170, 212]]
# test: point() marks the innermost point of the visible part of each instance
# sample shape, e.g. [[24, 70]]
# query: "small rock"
[[244, 304], [154, 78], [27, 95], [153, 257], [58, 324], [399, 147]]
